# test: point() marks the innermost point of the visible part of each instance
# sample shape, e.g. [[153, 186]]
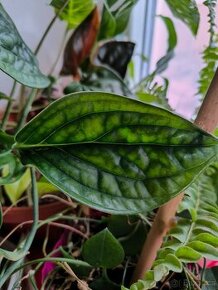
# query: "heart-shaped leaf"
[[114, 153], [16, 59], [103, 250]]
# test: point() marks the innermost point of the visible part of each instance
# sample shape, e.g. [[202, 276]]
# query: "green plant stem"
[[26, 109], [192, 279], [52, 259], [202, 273], [9, 107], [16, 266], [51, 23]]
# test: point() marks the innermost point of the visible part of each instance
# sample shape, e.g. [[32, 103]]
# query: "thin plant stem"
[[9, 107], [192, 279], [202, 273], [26, 109], [59, 52], [16, 265], [51, 23]]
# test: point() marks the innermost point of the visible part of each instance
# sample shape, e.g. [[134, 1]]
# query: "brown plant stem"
[[207, 119]]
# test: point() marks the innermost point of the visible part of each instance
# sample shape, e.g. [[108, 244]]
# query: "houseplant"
[[132, 145]]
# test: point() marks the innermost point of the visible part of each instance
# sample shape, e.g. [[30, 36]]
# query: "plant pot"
[[19, 215]]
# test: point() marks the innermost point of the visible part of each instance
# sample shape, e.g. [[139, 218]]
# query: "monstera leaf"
[[114, 153], [16, 59]]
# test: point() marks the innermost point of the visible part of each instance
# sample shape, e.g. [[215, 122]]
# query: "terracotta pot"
[[17, 215]]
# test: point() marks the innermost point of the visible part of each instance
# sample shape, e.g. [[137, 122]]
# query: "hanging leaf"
[[186, 11], [80, 44], [115, 17], [109, 251], [163, 62], [74, 12], [16, 59], [116, 55], [114, 153]]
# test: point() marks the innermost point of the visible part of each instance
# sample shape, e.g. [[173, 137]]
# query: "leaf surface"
[[16, 59], [115, 153], [103, 250]]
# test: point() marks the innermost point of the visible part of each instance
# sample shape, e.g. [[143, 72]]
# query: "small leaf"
[[75, 11], [187, 254], [15, 190], [160, 271], [44, 187], [103, 250], [207, 238], [204, 249], [80, 44], [186, 11], [16, 59], [173, 263]]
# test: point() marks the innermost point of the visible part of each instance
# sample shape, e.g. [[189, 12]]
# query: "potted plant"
[[115, 154]]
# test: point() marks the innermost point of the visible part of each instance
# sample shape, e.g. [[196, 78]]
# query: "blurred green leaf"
[[115, 17], [74, 12], [186, 11]]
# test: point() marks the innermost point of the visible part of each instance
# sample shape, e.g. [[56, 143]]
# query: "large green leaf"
[[74, 12], [115, 153], [187, 11], [16, 59], [103, 250]]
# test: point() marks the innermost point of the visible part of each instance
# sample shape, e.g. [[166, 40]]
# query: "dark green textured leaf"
[[103, 250], [75, 11], [114, 153], [16, 59], [187, 11]]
